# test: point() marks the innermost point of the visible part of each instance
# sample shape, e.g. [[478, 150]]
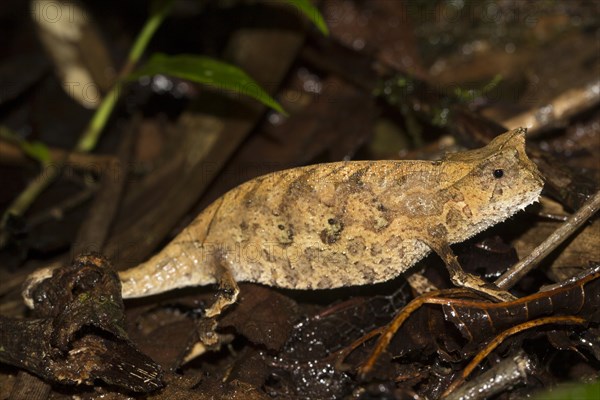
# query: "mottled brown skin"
[[345, 223]]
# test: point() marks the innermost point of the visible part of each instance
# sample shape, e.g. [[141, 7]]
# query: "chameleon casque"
[[344, 223]]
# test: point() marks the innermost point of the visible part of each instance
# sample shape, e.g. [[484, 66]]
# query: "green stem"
[[90, 136], [27, 197], [147, 32]]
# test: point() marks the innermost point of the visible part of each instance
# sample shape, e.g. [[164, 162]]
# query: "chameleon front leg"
[[463, 279]]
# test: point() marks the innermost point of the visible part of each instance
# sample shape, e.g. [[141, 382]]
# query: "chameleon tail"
[[186, 261]]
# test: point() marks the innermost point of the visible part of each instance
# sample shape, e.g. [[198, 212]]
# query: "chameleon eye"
[[498, 173]]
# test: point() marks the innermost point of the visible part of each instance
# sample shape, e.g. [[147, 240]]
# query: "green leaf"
[[311, 12], [36, 150], [207, 71], [590, 391]]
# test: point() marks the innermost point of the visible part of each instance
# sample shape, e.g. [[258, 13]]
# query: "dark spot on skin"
[[438, 231], [352, 185], [367, 271], [385, 261], [401, 181], [324, 283], [290, 234], [356, 246], [454, 218], [375, 250], [345, 280], [356, 178], [286, 237], [267, 256], [291, 278], [250, 197], [300, 187], [332, 233], [400, 253], [327, 237], [392, 242], [457, 196], [467, 211], [379, 220], [368, 275], [243, 225]]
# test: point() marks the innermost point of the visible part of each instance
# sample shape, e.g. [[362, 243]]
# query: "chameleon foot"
[[461, 278], [204, 339]]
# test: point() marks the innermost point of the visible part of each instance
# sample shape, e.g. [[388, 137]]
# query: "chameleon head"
[[501, 179]]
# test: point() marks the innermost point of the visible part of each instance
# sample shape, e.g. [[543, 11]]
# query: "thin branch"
[[94, 229], [516, 272], [12, 154], [558, 110], [504, 375], [561, 319], [59, 210]]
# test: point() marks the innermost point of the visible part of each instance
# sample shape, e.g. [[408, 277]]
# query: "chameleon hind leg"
[[227, 293], [205, 338]]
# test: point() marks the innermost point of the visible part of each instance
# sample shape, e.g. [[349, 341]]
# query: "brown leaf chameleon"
[[344, 223]]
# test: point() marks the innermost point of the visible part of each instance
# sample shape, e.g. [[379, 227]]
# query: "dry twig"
[[516, 272]]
